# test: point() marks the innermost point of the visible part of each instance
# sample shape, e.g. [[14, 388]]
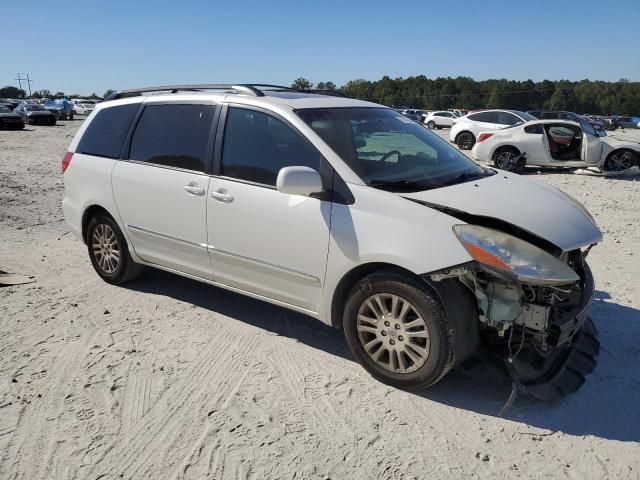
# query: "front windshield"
[[387, 150], [34, 108]]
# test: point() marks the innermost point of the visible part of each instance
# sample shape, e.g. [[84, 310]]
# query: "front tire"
[[109, 252], [431, 125], [398, 330], [621, 160]]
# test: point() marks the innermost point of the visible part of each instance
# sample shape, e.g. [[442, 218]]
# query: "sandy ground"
[[169, 378]]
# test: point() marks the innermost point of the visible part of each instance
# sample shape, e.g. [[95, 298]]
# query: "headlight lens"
[[513, 258]]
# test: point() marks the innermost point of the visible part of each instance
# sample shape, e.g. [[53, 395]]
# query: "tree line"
[[584, 96]]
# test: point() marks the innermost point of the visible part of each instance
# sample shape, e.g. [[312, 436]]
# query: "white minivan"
[[346, 211]]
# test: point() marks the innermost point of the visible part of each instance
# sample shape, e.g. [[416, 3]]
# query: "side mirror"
[[298, 181]]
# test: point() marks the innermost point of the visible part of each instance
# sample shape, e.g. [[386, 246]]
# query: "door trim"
[[168, 237], [275, 266]]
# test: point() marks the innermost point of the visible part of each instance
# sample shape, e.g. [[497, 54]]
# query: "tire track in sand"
[[142, 451]]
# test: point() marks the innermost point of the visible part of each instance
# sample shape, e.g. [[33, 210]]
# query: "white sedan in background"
[[554, 143], [439, 119], [465, 130]]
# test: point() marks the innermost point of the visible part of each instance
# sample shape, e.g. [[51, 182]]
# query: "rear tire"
[[109, 252], [397, 328], [503, 159], [465, 140]]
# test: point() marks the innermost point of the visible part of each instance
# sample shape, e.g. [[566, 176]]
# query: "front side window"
[[106, 132], [256, 146], [173, 135], [389, 151]]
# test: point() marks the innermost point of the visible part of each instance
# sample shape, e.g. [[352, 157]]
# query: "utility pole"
[[27, 80]]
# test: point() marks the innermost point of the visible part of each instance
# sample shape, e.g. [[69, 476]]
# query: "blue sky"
[[93, 45]]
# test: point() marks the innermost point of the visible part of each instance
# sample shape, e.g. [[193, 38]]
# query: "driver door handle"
[[222, 196]]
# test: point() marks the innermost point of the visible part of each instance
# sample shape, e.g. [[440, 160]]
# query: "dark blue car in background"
[[61, 108]]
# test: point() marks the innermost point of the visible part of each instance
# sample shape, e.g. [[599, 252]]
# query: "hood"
[[539, 210]]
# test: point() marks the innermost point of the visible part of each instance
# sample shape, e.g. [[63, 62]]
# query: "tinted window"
[[506, 118], [106, 132], [550, 115], [488, 117], [256, 146], [537, 128], [173, 135]]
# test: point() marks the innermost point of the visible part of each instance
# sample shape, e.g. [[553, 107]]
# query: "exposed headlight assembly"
[[512, 258]]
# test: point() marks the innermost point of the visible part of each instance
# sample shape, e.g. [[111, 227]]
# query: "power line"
[[27, 80]]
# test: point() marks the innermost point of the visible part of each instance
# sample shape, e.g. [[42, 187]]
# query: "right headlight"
[[512, 258]]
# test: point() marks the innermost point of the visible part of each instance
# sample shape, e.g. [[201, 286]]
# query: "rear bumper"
[[73, 216]]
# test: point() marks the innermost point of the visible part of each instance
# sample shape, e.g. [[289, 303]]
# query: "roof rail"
[[245, 89], [253, 89]]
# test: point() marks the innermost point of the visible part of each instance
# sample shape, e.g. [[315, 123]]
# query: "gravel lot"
[[169, 378]]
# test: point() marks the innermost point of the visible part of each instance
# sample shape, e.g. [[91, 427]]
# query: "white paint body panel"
[[165, 224], [269, 243], [523, 203]]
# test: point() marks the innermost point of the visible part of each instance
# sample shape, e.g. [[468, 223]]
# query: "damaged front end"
[[532, 308]]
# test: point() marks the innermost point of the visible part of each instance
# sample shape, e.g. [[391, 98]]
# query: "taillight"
[[66, 160], [484, 136]]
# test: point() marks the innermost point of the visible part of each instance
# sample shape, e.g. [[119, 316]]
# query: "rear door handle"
[[193, 189], [221, 196]]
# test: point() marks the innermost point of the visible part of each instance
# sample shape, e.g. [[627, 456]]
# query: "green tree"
[[302, 84], [107, 93], [326, 86], [11, 92]]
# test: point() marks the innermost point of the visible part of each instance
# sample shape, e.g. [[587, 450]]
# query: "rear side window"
[[488, 117], [257, 145], [173, 135], [106, 133]]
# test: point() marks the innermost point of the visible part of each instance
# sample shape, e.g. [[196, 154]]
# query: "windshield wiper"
[[401, 184], [467, 176]]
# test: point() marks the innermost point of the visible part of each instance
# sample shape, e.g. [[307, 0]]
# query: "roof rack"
[[253, 89]]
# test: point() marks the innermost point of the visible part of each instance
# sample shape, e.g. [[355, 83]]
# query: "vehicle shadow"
[[605, 406]]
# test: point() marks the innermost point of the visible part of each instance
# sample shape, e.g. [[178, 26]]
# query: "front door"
[[591, 144], [260, 240], [160, 192]]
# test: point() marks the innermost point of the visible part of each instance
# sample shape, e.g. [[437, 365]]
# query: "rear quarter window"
[[106, 133]]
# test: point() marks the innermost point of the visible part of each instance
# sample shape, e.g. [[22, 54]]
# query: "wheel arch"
[[457, 300], [90, 212], [465, 131], [619, 149], [349, 280], [503, 146]]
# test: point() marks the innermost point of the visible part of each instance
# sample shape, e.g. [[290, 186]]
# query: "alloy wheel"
[[465, 141], [393, 333], [105, 247], [505, 160], [620, 161]]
